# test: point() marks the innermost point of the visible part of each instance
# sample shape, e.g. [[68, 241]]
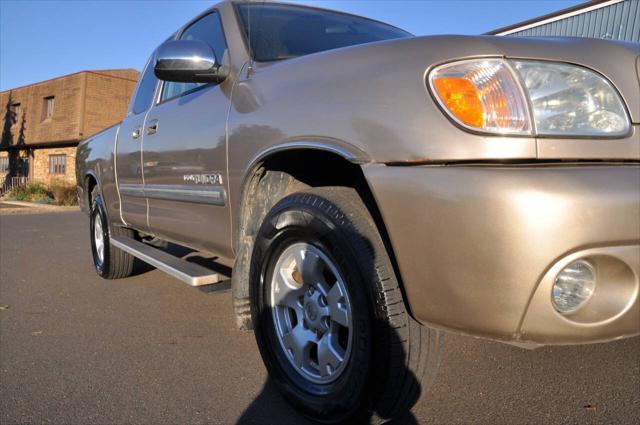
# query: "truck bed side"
[[95, 165]]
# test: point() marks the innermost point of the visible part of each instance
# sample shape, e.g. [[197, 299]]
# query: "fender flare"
[[239, 287], [345, 150], [94, 176]]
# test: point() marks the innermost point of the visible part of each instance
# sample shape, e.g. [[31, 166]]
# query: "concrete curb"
[[41, 206]]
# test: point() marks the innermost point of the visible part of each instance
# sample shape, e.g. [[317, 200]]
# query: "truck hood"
[[376, 98], [617, 60]]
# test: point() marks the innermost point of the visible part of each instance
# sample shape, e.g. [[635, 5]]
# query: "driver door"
[[185, 162]]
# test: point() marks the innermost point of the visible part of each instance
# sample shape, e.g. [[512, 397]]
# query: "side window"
[[209, 30], [145, 90]]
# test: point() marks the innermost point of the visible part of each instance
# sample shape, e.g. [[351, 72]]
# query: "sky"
[[42, 39]]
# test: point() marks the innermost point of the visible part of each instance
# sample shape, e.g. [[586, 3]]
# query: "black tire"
[[115, 263], [392, 358]]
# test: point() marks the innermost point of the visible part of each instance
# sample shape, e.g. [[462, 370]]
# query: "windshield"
[[282, 31]]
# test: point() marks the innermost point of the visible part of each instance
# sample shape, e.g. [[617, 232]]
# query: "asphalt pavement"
[[76, 349]]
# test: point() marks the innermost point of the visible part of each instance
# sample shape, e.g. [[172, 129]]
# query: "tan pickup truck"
[[375, 189]]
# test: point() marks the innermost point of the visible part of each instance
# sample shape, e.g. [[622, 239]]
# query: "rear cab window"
[[146, 89]]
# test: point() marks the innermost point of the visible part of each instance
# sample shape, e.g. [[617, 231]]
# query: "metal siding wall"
[[620, 21]]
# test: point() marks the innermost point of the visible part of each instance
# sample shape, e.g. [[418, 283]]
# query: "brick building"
[[44, 122]]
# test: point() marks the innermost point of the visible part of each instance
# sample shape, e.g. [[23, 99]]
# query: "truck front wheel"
[[329, 316]]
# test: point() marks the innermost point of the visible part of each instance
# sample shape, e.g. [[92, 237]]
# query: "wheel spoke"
[[299, 341], [309, 266], [337, 309], [285, 293], [98, 237], [323, 286], [330, 354]]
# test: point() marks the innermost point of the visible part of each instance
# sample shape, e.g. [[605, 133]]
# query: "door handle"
[[153, 127], [136, 132]]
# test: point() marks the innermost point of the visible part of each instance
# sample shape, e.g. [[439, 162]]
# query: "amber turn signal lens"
[[482, 95], [461, 98]]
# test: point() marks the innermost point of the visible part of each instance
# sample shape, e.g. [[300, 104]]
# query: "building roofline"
[[43, 145], [107, 74], [98, 72], [553, 16]]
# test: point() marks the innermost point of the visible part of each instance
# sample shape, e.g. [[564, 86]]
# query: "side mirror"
[[187, 61]]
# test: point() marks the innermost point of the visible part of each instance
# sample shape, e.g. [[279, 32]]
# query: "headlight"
[[525, 97]]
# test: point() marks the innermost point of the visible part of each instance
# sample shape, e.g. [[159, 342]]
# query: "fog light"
[[574, 286]]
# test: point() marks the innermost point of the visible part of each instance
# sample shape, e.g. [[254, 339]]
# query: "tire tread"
[[119, 263]]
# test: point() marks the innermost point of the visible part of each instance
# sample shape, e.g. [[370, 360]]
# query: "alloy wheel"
[[98, 237], [311, 312]]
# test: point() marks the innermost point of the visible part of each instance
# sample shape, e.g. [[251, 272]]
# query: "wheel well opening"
[[90, 183], [317, 168], [286, 172]]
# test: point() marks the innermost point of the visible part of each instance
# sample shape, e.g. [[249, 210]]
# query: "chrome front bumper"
[[478, 247]]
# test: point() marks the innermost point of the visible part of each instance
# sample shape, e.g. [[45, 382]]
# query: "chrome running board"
[[190, 273]]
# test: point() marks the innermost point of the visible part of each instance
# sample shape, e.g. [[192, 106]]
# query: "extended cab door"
[[185, 163], [128, 161]]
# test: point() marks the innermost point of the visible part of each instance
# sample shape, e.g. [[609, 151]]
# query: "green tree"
[[6, 142], [23, 127], [9, 120]]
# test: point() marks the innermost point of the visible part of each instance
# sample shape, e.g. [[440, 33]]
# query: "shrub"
[[64, 194], [58, 193], [42, 200], [28, 193]]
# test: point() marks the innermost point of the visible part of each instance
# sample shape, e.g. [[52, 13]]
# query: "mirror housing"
[[187, 61]]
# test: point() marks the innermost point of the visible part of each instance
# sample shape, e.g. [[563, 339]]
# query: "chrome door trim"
[[115, 175], [214, 195], [133, 190]]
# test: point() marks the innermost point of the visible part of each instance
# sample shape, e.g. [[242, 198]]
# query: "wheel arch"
[[280, 171], [339, 150], [90, 182]]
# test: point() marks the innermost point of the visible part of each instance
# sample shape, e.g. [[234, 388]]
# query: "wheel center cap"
[[311, 312]]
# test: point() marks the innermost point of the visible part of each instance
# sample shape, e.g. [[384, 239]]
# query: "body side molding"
[[214, 195]]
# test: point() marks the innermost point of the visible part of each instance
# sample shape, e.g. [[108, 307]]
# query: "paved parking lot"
[[76, 349]]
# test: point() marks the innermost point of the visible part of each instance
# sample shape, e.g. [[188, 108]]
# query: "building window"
[[4, 164], [57, 164], [47, 108]]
